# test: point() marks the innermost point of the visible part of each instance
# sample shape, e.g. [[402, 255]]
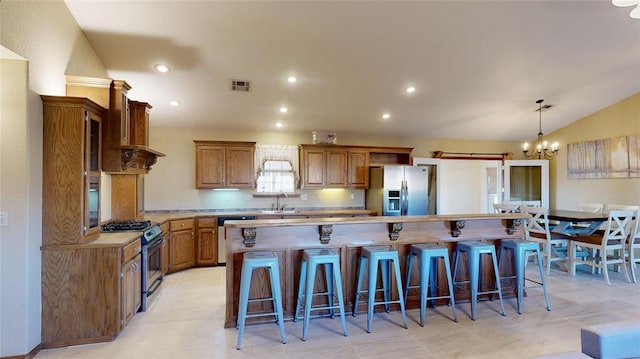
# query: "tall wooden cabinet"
[[224, 164], [71, 169], [90, 289]]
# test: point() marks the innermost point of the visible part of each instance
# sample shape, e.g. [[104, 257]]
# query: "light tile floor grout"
[[186, 321]]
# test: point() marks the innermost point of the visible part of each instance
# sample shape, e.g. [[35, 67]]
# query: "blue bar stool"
[[428, 254], [371, 257], [474, 251], [251, 261], [311, 258], [521, 249]]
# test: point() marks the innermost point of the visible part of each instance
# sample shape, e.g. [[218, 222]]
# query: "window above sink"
[[276, 169]]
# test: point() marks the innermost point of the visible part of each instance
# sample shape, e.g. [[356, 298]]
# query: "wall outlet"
[[353, 195], [304, 197], [4, 218]]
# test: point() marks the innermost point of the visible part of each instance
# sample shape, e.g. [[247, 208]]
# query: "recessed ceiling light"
[[411, 89], [161, 68], [174, 103], [386, 116], [284, 109], [292, 79], [279, 124]]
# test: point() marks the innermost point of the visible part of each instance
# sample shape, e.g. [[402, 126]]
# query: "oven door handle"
[[155, 242]]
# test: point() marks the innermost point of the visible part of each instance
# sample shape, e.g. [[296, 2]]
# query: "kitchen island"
[[289, 237]]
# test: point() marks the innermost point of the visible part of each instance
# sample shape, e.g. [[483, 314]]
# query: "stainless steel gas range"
[[151, 240]]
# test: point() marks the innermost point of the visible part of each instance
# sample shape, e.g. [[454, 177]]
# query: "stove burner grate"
[[125, 226]]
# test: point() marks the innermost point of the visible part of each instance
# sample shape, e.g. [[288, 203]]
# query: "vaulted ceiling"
[[478, 67]]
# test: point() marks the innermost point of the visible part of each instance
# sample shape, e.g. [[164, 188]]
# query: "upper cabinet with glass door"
[[71, 169]]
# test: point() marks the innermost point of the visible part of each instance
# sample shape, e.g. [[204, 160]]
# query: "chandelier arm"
[[541, 151]]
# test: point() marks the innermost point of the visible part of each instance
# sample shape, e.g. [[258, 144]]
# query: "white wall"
[[19, 240], [46, 35]]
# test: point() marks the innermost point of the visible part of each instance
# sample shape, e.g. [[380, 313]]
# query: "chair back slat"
[[618, 225], [507, 207], [591, 207], [538, 223], [635, 229]]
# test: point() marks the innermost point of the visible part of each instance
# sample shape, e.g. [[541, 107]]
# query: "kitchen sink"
[[272, 211]]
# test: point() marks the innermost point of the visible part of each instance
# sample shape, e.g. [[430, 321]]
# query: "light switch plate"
[[4, 218]]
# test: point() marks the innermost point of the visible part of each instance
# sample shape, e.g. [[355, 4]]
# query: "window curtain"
[[277, 153]]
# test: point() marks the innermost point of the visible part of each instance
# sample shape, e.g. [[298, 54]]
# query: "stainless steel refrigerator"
[[397, 190]]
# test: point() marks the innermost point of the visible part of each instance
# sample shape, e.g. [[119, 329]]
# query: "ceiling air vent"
[[240, 85]]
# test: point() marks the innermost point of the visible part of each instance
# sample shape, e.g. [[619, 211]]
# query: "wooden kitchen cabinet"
[[323, 166], [125, 129], [72, 133], [224, 164], [117, 127], [139, 123], [207, 241], [182, 248], [337, 166], [131, 274], [164, 250], [127, 197], [358, 169], [89, 293]]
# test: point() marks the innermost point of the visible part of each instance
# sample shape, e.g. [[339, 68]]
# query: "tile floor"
[[186, 321]]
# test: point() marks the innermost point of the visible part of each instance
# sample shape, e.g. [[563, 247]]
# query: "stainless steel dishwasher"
[[222, 244]]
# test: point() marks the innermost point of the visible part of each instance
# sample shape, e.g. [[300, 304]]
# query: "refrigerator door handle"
[[404, 198]]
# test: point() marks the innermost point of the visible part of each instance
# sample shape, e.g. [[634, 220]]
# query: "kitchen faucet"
[[278, 201]]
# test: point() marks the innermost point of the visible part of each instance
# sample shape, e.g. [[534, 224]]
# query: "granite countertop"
[[165, 216], [121, 239]]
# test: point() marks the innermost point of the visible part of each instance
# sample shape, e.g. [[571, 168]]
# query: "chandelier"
[[541, 150], [635, 13]]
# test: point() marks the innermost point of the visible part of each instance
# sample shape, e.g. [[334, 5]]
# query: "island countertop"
[[288, 238]]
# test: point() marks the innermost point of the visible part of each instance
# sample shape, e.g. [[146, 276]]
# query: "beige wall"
[[46, 35], [171, 182], [621, 118]]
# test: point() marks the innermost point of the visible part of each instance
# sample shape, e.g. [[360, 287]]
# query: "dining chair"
[[633, 245], [590, 207], [530, 203], [537, 230], [505, 207], [606, 249], [618, 207]]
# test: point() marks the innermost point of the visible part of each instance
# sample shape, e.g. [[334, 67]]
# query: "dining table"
[[576, 223]]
